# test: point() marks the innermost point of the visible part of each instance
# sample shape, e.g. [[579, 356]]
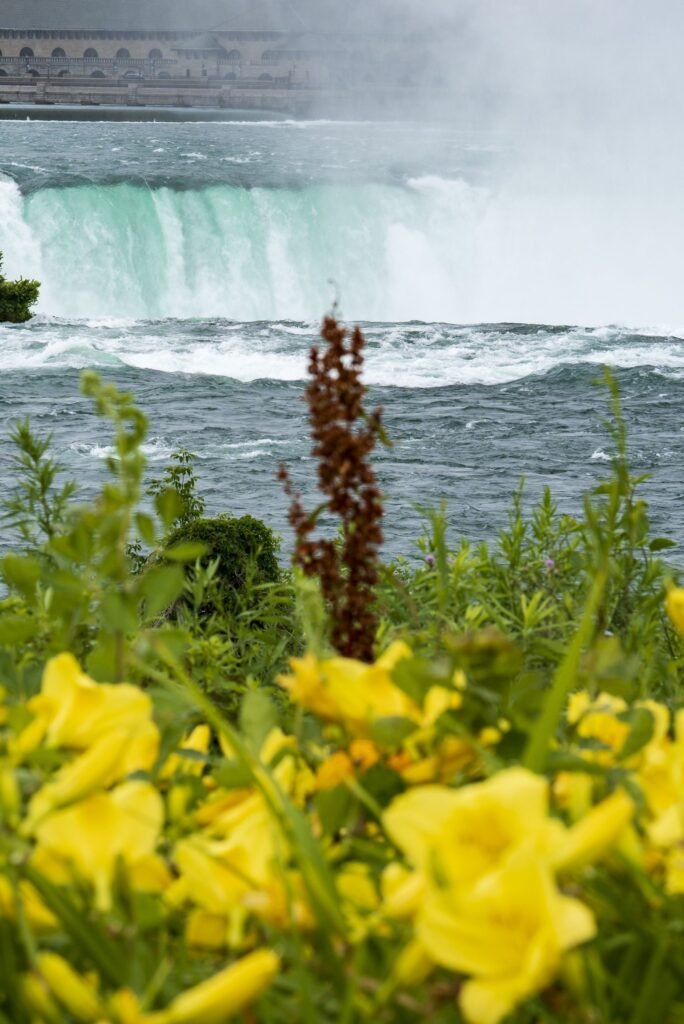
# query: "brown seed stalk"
[[344, 437]]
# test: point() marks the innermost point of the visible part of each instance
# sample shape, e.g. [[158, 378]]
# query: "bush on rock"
[[17, 298]]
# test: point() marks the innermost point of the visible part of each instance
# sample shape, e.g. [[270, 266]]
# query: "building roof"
[[152, 15]]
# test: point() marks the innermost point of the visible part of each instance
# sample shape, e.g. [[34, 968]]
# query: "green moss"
[[17, 298]]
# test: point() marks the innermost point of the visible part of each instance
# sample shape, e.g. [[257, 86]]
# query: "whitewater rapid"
[[413, 355]]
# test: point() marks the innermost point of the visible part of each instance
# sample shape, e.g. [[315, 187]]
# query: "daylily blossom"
[[507, 933], [87, 840]]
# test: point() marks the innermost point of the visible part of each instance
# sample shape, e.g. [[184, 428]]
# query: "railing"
[[133, 61]]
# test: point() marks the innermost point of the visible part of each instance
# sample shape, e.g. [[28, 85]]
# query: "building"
[[259, 40], [278, 54]]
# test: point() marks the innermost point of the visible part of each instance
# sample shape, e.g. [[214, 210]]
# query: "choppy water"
[[190, 263]]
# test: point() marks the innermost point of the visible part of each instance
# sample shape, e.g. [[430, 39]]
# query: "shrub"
[[246, 550], [17, 298]]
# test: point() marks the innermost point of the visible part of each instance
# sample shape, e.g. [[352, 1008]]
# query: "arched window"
[[156, 54], [97, 74], [26, 52], [90, 54], [265, 78], [58, 52], [3, 73], [123, 54], [270, 56], [163, 74], [33, 73], [231, 76], [233, 55], [63, 73]]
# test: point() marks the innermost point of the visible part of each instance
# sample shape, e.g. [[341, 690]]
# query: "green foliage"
[[180, 479], [533, 582], [36, 509], [17, 298], [244, 549]]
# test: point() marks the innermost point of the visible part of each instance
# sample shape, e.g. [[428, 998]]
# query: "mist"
[[585, 101]]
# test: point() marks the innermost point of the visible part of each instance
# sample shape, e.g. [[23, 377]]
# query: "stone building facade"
[[258, 40], [288, 55]]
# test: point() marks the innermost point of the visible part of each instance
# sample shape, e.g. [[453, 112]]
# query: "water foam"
[[403, 355]]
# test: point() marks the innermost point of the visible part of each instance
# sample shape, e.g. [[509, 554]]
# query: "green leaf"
[[189, 551], [146, 528], [160, 587], [16, 630], [641, 732], [334, 808], [662, 544], [169, 505], [21, 574], [118, 613], [258, 717], [232, 775], [93, 942], [391, 731], [564, 761]]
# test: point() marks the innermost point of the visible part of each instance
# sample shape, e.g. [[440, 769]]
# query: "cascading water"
[[128, 251], [429, 249]]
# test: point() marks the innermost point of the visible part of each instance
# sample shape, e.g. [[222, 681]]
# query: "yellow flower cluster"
[[459, 863], [482, 883], [602, 727], [90, 821]]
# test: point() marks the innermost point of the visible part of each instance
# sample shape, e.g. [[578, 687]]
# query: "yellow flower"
[[74, 993], [37, 914], [91, 837], [223, 996], [359, 896], [206, 931], [675, 607], [439, 699], [197, 743], [219, 872], [508, 933], [573, 792], [97, 767], [364, 754], [596, 720], [125, 1008], [461, 835], [10, 797], [76, 711], [413, 966], [334, 770], [351, 692], [402, 890], [455, 838], [600, 829], [36, 995], [453, 755]]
